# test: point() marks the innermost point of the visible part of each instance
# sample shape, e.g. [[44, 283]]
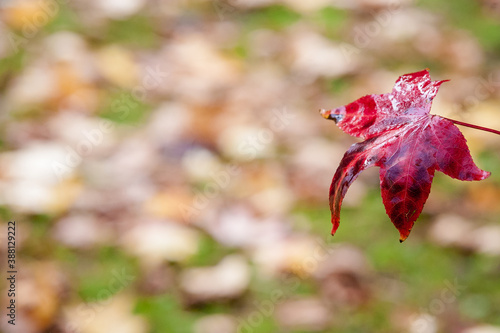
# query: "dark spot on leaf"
[[352, 107], [393, 173], [368, 121], [421, 175], [432, 142], [396, 188], [415, 191]]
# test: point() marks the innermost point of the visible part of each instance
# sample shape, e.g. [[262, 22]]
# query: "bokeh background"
[[168, 170]]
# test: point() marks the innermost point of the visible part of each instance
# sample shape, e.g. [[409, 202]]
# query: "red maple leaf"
[[406, 142]]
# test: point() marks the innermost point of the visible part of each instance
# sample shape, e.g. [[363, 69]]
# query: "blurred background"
[[168, 170]]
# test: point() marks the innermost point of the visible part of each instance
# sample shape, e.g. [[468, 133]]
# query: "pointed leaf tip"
[[406, 142], [325, 113]]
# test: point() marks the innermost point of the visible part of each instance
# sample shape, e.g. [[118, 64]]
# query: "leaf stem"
[[486, 129]]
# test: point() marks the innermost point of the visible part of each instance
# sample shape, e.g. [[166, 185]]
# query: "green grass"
[[421, 269], [331, 21], [12, 64], [468, 15], [276, 17], [165, 314], [424, 269], [64, 19], [39, 226], [489, 160], [209, 252], [137, 31], [126, 107], [105, 272]]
